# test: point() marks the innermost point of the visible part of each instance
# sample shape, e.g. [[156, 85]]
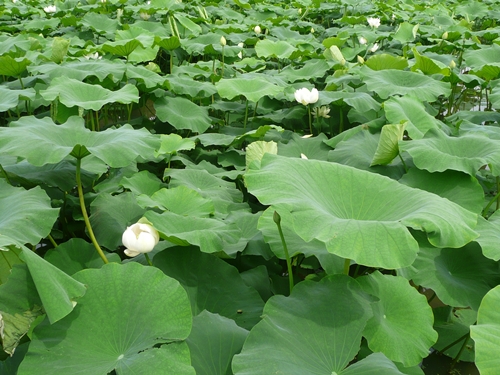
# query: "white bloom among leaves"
[[374, 48], [306, 97], [50, 9], [362, 40], [373, 22], [139, 238], [257, 29], [322, 111]]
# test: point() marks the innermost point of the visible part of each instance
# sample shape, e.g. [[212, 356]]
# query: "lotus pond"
[[249, 187]]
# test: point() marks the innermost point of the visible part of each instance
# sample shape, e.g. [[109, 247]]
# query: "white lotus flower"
[[145, 16], [361, 60], [374, 48], [223, 41], [373, 22], [240, 54], [257, 29], [50, 9], [139, 238], [322, 111], [306, 97], [93, 56], [362, 40], [303, 156]]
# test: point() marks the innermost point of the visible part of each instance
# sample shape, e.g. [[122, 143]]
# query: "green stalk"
[[52, 241], [498, 190], [246, 116], [222, 68], [277, 220], [84, 211], [464, 345], [403, 161], [148, 259], [495, 198], [347, 264], [310, 120]]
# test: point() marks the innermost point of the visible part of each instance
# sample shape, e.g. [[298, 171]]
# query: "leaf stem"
[[246, 115], [466, 336], [457, 357], [84, 211], [403, 161], [347, 264], [52, 241], [493, 200], [277, 220]]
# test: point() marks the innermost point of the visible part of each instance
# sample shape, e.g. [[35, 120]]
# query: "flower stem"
[[84, 211], [148, 259], [310, 120], [277, 220]]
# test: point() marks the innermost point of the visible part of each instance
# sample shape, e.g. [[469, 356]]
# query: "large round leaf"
[[359, 215], [253, 89], [126, 311], [486, 333], [57, 290], [213, 342], [269, 48], [72, 92], [437, 152], [41, 141], [460, 277], [412, 111], [181, 113], [212, 285], [26, 215], [458, 187], [401, 326], [391, 82], [317, 330]]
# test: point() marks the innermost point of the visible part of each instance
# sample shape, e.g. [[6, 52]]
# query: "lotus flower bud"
[[374, 48], [223, 41], [452, 64], [445, 35], [362, 40], [257, 29], [139, 238], [361, 61]]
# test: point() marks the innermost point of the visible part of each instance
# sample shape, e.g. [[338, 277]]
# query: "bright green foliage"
[[356, 234]]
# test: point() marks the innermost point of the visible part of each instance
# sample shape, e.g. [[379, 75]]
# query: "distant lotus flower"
[[361, 60], [93, 56], [373, 22], [312, 30], [374, 48], [50, 9], [257, 29], [362, 40], [240, 54], [303, 156], [445, 35], [223, 41], [306, 97], [14, 1], [139, 238], [452, 64], [307, 136], [145, 16], [322, 111]]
